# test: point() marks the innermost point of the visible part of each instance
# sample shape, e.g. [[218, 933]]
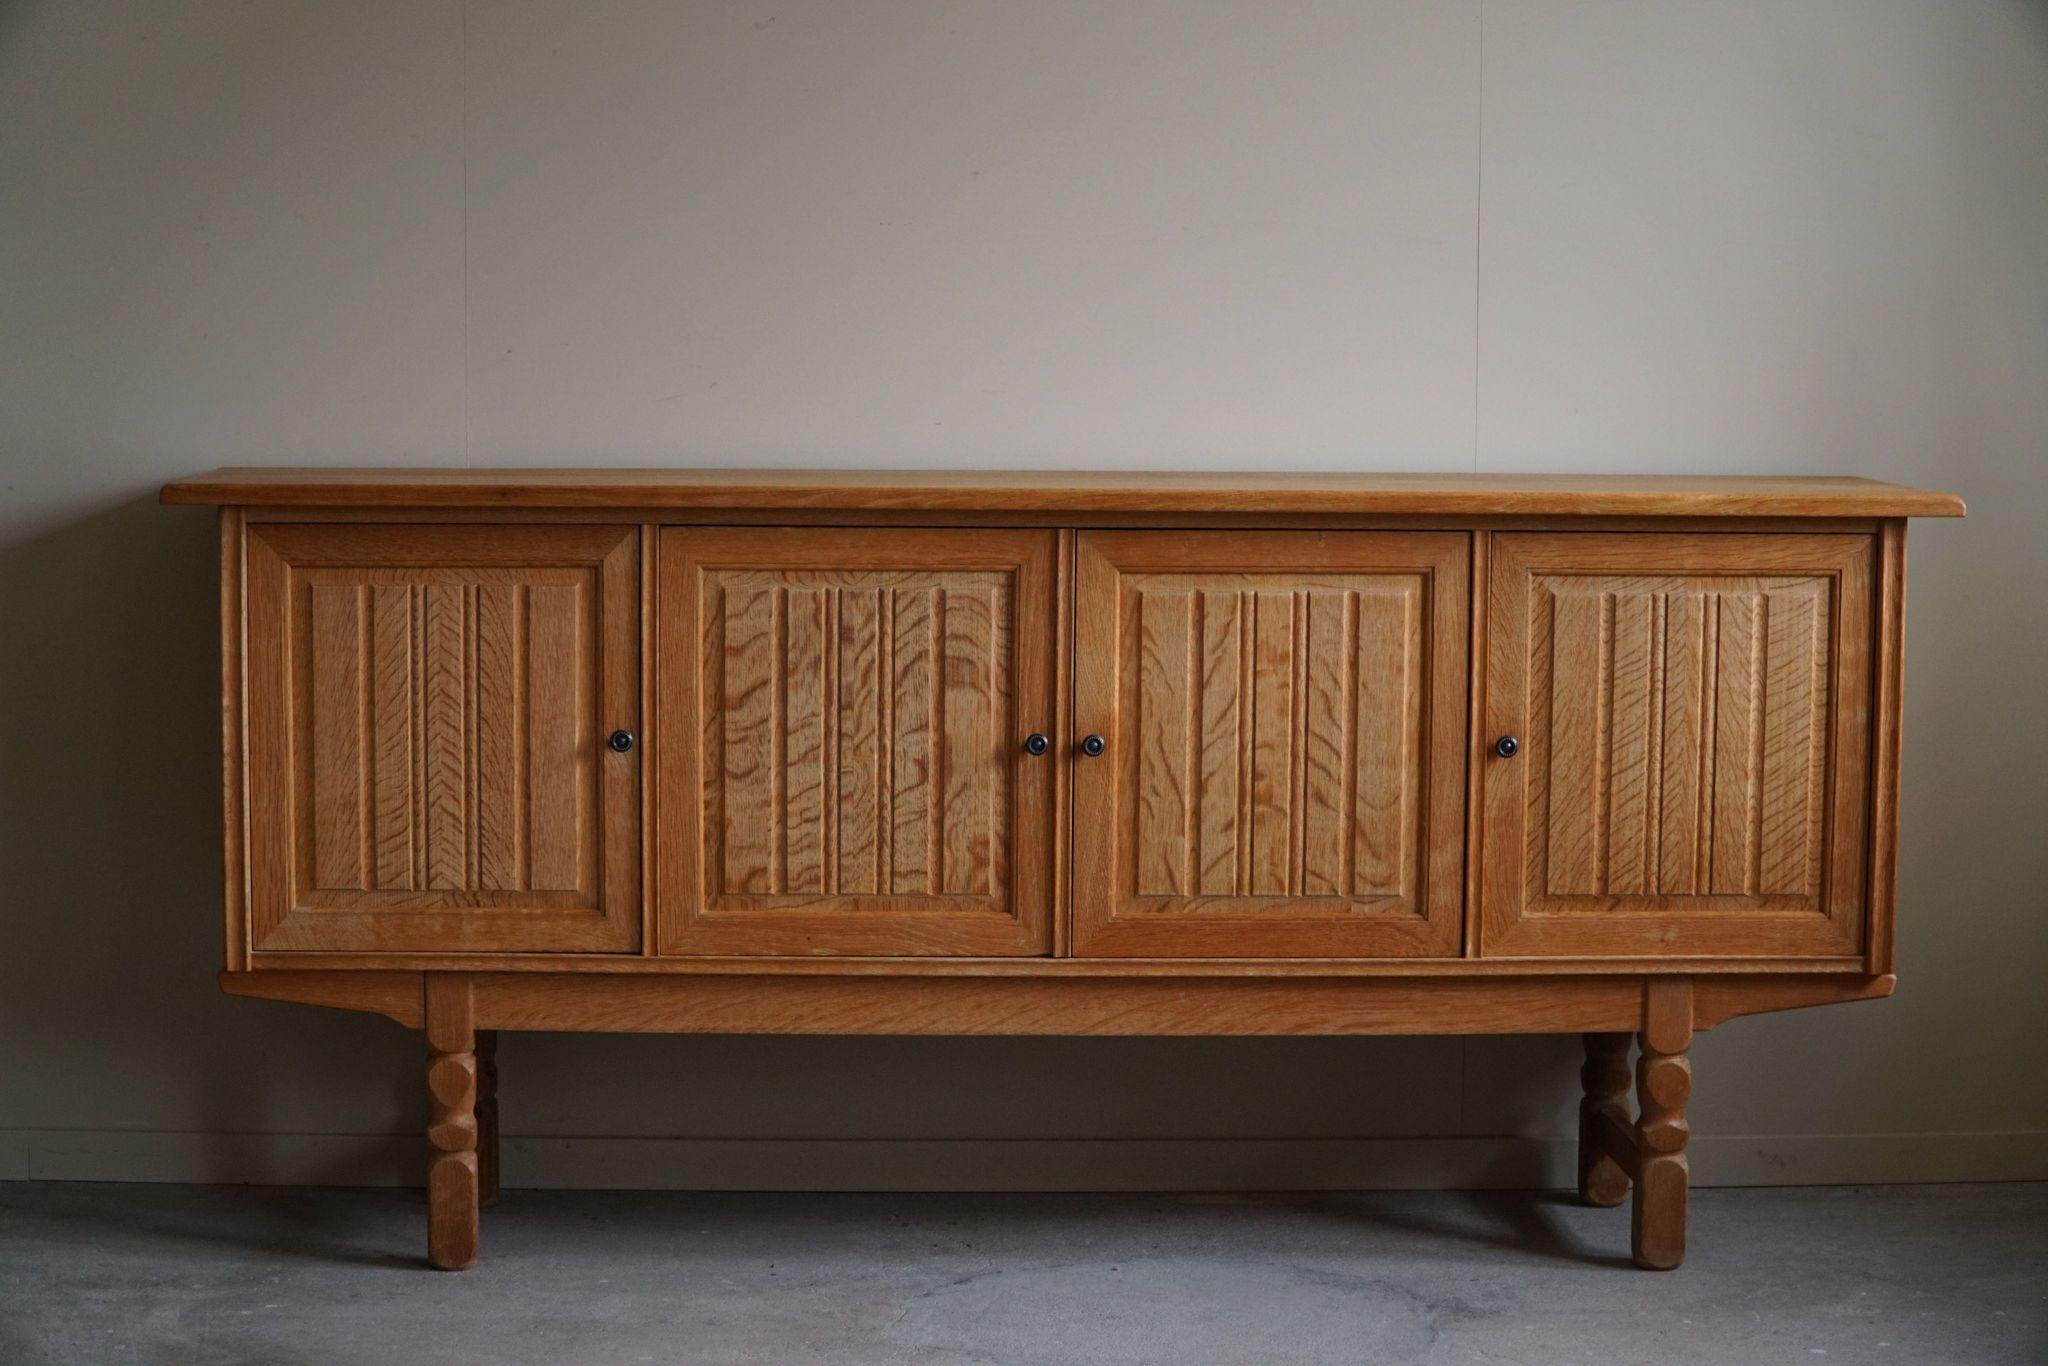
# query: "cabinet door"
[[1693, 715], [428, 707], [1284, 716], [841, 724]]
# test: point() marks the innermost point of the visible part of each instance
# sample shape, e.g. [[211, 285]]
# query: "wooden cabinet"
[[1062, 754], [425, 710], [1283, 715], [848, 711], [1691, 717]]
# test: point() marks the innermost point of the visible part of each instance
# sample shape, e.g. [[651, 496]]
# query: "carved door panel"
[[1283, 768], [428, 709], [842, 719], [1693, 717]]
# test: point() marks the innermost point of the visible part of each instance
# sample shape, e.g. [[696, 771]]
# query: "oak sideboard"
[[983, 753]]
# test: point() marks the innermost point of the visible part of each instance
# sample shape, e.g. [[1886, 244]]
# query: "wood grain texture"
[[234, 748], [1043, 492], [1285, 723], [862, 699], [1024, 1006], [1077, 520], [423, 824], [1885, 745], [1693, 717], [1062, 739], [1477, 743], [650, 735], [396, 994], [1663, 1086], [452, 1173], [1717, 1000], [951, 965], [431, 705]]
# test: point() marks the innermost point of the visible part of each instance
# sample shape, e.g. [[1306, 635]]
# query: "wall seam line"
[[1478, 222]]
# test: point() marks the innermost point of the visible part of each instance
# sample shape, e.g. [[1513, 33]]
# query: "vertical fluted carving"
[[1604, 1081]]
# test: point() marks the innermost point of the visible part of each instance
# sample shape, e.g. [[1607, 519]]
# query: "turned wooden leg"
[[451, 1124], [487, 1116], [1602, 1180], [1663, 1083]]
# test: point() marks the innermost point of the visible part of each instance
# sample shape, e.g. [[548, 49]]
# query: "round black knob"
[[1094, 745], [620, 741], [1035, 743], [1507, 747]]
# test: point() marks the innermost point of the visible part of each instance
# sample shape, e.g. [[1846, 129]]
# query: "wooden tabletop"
[[1077, 491]]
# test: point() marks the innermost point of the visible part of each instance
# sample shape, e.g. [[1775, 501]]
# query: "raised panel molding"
[[1277, 739], [444, 693], [858, 700], [1285, 717], [1694, 717], [452, 750], [857, 733], [1688, 736]]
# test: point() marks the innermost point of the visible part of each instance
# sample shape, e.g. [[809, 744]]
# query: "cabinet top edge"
[[1546, 495]]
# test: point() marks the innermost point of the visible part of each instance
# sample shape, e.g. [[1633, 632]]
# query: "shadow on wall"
[[107, 665], [110, 874], [110, 871]]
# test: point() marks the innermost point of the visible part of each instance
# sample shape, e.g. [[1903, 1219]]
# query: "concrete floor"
[[175, 1274]]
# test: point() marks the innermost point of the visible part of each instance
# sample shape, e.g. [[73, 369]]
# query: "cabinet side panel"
[[1885, 747], [267, 740], [233, 742]]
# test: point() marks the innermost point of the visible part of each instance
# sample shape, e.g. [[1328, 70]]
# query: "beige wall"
[[1557, 236]]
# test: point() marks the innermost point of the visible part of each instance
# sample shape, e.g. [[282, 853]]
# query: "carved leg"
[[1602, 1180], [1663, 1083], [487, 1117], [451, 1125]]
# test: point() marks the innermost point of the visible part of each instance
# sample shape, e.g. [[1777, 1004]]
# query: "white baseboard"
[[1504, 1163]]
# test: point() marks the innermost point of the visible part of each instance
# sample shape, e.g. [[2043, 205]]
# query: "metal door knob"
[[1035, 743], [620, 741], [1507, 747], [1094, 745]]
